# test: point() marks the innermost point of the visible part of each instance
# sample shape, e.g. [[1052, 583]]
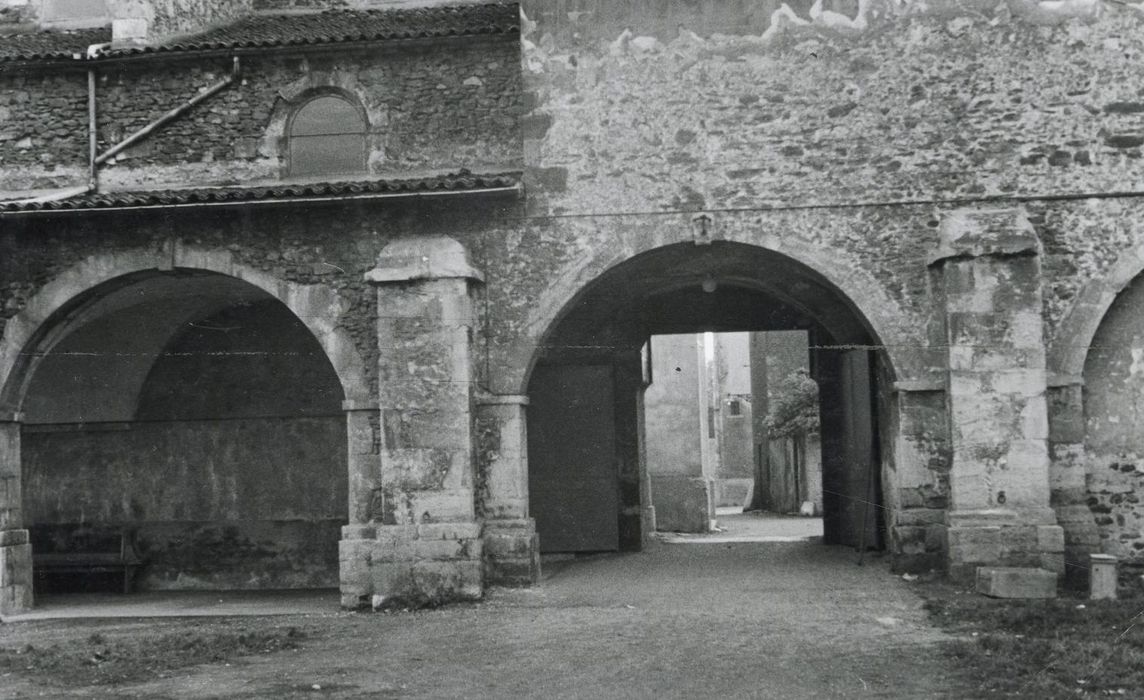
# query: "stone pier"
[[15, 550], [511, 545], [988, 276], [422, 542]]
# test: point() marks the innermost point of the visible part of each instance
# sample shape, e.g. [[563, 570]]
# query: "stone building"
[[309, 292]]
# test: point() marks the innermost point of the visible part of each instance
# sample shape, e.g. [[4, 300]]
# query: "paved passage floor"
[[769, 620], [756, 526]]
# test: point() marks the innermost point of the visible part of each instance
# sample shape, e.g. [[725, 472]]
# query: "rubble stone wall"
[[431, 109], [1114, 422]]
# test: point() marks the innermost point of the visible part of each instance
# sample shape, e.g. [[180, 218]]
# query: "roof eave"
[[82, 62], [514, 191]]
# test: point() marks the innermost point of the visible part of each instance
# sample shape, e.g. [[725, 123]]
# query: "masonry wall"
[[708, 106], [233, 504], [432, 107], [1114, 425]]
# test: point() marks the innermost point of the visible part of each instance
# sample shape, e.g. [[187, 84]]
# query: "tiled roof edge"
[[458, 183]]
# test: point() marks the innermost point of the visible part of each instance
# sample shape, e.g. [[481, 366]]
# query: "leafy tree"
[[794, 410]]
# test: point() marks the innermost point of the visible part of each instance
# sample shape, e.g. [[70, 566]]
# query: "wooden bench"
[[85, 549]]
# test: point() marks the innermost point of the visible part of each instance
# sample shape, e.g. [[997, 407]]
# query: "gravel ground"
[[768, 620]]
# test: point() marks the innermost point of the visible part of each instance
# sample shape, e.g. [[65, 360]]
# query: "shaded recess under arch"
[[197, 410], [1113, 420], [586, 461]]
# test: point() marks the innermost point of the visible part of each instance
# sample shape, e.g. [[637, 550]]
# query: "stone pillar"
[[989, 279], [678, 450], [365, 500], [629, 388], [918, 429], [511, 545], [424, 541], [1067, 481], [15, 550]]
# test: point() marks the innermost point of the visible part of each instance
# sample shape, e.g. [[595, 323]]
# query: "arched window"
[[327, 137]]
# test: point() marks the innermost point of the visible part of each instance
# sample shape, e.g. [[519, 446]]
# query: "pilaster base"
[[15, 572], [918, 540], [410, 565], [512, 552], [1001, 538]]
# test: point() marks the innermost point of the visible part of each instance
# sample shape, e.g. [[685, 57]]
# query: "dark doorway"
[[572, 460]]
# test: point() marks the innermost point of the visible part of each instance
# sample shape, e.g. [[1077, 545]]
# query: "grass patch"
[[110, 660], [1047, 648]]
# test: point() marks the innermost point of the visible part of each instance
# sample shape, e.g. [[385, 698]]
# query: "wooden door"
[[858, 508], [573, 479]]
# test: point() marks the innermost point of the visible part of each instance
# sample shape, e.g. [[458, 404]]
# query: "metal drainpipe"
[[92, 138], [172, 115]]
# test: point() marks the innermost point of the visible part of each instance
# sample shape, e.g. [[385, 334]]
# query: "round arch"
[[317, 307], [889, 327], [588, 329], [1076, 331]]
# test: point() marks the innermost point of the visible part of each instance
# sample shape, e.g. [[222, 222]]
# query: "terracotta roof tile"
[[51, 45], [458, 182], [270, 31], [339, 26]]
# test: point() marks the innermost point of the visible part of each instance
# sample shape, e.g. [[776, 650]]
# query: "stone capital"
[[980, 233], [423, 258]]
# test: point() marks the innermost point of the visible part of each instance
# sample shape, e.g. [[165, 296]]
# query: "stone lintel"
[[979, 233], [502, 399], [350, 405], [11, 417], [1016, 582], [423, 258]]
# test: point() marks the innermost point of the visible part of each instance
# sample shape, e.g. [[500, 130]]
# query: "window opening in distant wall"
[[327, 137]]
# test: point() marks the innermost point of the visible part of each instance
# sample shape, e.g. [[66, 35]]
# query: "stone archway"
[[611, 307], [75, 296], [865, 296], [1094, 375], [318, 307]]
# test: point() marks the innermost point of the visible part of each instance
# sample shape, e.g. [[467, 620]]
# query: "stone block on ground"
[[1102, 577], [1016, 582]]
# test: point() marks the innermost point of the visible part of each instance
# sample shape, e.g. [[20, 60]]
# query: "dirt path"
[[762, 620]]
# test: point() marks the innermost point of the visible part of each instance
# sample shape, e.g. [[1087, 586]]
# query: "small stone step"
[[1016, 582]]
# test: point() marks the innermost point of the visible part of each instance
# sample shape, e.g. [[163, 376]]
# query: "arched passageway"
[[1113, 419], [589, 486], [195, 411]]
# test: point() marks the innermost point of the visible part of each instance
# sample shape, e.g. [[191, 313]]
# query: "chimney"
[[129, 32], [130, 22]]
